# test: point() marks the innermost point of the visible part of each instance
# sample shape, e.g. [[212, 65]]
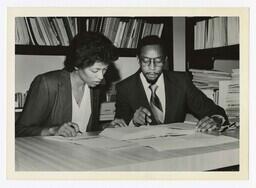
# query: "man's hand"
[[141, 117], [208, 124]]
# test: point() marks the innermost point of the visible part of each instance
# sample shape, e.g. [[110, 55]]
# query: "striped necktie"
[[155, 105]]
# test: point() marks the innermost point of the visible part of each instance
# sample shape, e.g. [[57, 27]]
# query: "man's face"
[[151, 61], [93, 75]]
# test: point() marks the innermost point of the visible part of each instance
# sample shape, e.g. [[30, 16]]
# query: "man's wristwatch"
[[220, 120]]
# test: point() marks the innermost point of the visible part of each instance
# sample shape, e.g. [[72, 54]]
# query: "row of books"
[[124, 33], [221, 87], [50, 31], [53, 31], [20, 99], [216, 32]]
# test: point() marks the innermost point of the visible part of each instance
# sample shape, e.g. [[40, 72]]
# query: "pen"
[[146, 121], [224, 128]]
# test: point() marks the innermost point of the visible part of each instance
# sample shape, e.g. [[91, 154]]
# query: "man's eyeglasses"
[[158, 61]]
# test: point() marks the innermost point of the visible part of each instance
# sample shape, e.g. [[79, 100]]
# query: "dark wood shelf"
[[40, 50], [60, 50], [204, 58], [224, 52]]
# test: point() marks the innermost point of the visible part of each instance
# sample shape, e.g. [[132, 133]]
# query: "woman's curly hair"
[[88, 47]]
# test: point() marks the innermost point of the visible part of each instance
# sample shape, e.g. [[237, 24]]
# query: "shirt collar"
[[159, 82]]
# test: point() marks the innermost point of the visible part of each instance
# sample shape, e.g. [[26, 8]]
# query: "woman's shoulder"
[[56, 75], [53, 78]]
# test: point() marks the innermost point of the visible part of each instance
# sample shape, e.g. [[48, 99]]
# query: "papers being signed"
[[130, 133]]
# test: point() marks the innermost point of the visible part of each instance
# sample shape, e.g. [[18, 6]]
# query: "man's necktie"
[[155, 104]]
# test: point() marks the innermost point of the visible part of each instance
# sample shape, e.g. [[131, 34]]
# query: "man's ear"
[[166, 59], [138, 58]]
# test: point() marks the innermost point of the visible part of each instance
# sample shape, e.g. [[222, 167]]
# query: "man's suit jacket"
[[49, 104], [181, 97]]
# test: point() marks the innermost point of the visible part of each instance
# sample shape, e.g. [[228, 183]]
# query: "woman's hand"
[[68, 129], [116, 123]]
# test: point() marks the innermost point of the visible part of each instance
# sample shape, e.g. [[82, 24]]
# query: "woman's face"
[[93, 75]]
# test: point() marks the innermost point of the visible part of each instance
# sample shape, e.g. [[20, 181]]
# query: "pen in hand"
[[146, 120], [224, 128]]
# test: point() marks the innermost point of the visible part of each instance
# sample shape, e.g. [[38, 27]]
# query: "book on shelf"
[[36, 31], [20, 99], [233, 30], [124, 32], [209, 34], [21, 31], [219, 31], [45, 31], [216, 32]]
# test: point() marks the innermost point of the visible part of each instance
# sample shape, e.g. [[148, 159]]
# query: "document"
[[104, 143], [130, 133], [93, 141], [184, 142], [70, 139]]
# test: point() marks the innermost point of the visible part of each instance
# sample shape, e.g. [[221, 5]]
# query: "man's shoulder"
[[127, 82], [176, 75]]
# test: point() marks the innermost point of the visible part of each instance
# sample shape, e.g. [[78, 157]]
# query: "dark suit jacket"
[[49, 104], [181, 97]]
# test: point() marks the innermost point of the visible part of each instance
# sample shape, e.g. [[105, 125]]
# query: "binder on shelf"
[[232, 30], [42, 30], [21, 31], [216, 32], [68, 28], [35, 30]]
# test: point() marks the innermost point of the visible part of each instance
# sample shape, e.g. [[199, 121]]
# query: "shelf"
[[18, 109], [60, 50], [225, 52]]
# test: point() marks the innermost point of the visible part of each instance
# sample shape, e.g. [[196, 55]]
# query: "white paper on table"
[[104, 143], [184, 142], [70, 139], [129, 133]]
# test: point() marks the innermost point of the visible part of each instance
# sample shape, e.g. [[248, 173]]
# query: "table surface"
[[40, 154]]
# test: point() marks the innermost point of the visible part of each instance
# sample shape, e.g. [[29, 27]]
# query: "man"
[[156, 96]]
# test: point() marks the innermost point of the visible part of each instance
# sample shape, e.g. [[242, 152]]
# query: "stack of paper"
[[185, 142], [130, 133], [93, 141]]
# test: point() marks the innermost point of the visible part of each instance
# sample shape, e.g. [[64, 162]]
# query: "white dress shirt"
[[81, 114], [160, 92]]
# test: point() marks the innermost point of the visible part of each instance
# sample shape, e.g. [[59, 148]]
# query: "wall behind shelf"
[[179, 44], [29, 66]]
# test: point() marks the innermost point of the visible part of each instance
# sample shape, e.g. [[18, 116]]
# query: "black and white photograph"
[[137, 92]]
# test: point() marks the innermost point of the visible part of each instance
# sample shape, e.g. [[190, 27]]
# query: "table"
[[39, 154]]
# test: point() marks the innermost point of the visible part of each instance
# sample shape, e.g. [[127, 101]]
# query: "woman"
[[66, 102]]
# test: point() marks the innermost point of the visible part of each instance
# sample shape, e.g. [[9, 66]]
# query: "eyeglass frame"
[[149, 60]]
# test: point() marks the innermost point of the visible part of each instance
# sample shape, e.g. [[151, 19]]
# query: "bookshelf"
[[200, 52], [46, 38], [209, 39], [51, 40]]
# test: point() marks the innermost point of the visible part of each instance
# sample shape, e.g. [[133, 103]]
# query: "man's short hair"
[[88, 47], [150, 40]]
